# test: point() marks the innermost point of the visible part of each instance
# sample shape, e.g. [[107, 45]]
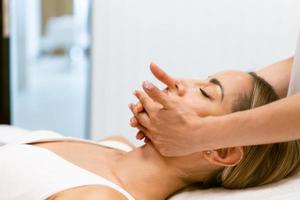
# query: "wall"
[[191, 38], [32, 29]]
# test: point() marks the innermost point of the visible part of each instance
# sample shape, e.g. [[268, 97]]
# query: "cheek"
[[201, 106], [204, 110]]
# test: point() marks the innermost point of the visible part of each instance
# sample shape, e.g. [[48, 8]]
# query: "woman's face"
[[215, 95]]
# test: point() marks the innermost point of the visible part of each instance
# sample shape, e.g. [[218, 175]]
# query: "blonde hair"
[[261, 164]]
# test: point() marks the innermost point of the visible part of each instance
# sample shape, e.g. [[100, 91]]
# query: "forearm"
[[276, 122], [278, 75]]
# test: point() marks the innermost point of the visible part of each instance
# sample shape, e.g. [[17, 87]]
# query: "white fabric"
[[116, 145], [283, 190], [34, 173], [294, 86], [10, 133]]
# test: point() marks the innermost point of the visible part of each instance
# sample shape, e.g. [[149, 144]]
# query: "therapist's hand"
[[164, 119]]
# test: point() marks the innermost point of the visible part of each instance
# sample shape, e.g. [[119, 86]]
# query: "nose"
[[183, 85]]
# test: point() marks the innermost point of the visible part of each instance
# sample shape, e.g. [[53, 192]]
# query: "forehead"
[[235, 83]]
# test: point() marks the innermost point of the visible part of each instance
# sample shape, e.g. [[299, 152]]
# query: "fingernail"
[[133, 120], [139, 136], [132, 125], [147, 85]]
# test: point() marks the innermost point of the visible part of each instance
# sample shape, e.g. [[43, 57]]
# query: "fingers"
[[139, 107], [140, 135], [156, 94], [162, 76], [147, 140], [146, 102], [133, 122], [142, 118]]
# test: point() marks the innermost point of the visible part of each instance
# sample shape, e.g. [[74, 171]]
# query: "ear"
[[227, 157]]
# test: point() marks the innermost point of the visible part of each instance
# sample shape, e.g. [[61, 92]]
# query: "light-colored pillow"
[[6, 137], [287, 189], [14, 129]]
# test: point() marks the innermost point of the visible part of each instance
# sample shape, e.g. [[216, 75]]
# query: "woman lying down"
[[46, 165]]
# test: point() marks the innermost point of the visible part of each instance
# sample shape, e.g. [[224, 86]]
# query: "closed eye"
[[204, 93]]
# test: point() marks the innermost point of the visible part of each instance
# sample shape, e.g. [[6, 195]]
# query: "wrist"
[[222, 131], [233, 129], [216, 127], [207, 133]]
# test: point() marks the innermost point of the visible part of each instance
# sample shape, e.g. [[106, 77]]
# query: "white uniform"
[[294, 86], [25, 172]]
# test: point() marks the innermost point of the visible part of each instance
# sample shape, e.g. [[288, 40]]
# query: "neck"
[[145, 174]]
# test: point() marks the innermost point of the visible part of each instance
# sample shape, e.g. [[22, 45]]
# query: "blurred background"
[[74, 63], [50, 63]]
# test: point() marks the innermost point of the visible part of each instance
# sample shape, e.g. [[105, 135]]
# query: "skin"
[[278, 121], [130, 170], [278, 75]]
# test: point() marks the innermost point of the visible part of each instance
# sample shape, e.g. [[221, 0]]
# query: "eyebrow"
[[217, 82]]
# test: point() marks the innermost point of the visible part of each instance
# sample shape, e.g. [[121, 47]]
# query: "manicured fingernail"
[[147, 85]]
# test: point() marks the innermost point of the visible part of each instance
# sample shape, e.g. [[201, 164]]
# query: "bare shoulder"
[[92, 192]]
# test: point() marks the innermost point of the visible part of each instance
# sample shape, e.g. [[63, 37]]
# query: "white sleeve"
[[294, 86]]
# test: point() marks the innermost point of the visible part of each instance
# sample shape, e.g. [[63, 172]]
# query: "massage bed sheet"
[[287, 189]]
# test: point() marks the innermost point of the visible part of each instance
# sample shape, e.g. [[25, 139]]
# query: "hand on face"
[[173, 118], [138, 108], [158, 114]]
